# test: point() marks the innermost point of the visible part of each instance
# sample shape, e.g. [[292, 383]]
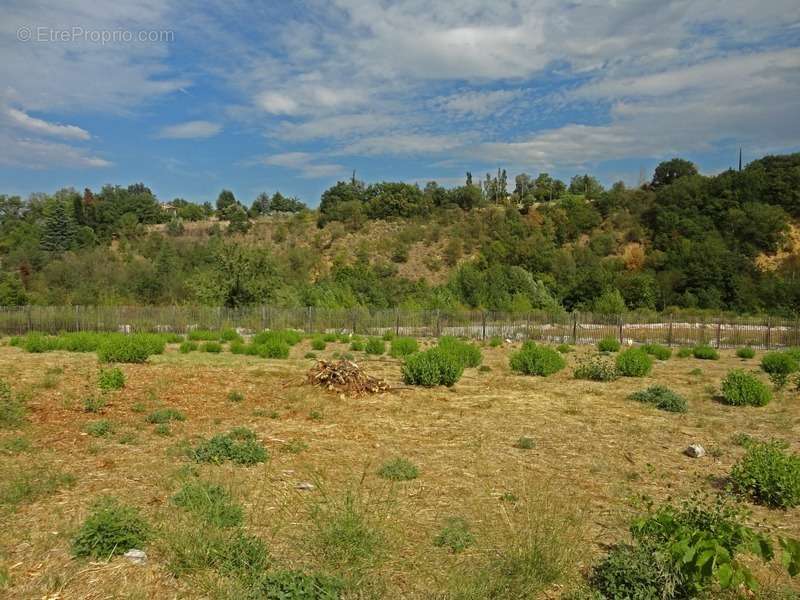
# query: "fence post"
[[719, 332], [621, 334], [769, 332], [397, 321], [483, 324], [438, 325], [574, 327], [669, 334], [527, 325]]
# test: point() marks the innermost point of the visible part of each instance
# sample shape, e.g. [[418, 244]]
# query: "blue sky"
[[292, 96]]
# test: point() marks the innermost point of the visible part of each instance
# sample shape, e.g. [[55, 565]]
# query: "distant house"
[[169, 208]]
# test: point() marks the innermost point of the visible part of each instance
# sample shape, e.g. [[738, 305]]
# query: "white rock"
[[137, 557], [695, 451], [304, 486]]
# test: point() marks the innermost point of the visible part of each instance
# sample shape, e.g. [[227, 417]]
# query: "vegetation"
[[596, 368], [211, 503], [398, 469], [111, 528], [455, 535], [662, 398], [111, 379], [525, 443], [778, 365], [375, 346], [740, 388], [12, 408], [240, 446], [634, 362], [133, 348], [745, 352], [165, 415], [705, 352], [658, 351], [466, 354], [400, 347], [608, 344], [769, 475], [432, 367], [534, 359]]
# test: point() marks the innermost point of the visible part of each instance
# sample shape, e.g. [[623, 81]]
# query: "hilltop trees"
[[671, 170]]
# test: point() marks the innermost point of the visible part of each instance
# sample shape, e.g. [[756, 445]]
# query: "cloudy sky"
[[191, 97]]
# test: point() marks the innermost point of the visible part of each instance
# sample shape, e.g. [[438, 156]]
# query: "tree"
[[225, 200], [58, 234], [586, 185], [341, 202], [670, 170]]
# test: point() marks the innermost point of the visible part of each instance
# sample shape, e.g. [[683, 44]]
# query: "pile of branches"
[[344, 376]]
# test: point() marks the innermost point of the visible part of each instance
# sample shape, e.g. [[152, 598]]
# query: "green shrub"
[[769, 475], [80, 341], [35, 342], [496, 341], [93, 404], [132, 348], [564, 348], [401, 347], [468, 355], [212, 347], [705, 352], [229, 551], [685, 352], [329, 337], [173, 338], [212, 503], [455, 535], [162, 429], [608, 344], [100, 428], [375, 346], [237, 347], [165, 415], [12, 408], [634, 362], [203, 335], [274, 348], [398, 469], [536, 360], [30, 484], [596, 368], [746, 352], [388, 336], [432, 367], [356, 346], [525, 443], [657, 350], [778, 365], [230, 335], [290, 337], [318, 344], [740, 388], [111, 528], [633, 572], [239, 446], [187, 347], [111, 379], [235, 396], [662, 398], [297, 585]]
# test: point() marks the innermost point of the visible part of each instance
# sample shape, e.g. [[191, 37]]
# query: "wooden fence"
[[574, 328]]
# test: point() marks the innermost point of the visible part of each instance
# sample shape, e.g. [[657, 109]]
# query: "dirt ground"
[[596, 454]]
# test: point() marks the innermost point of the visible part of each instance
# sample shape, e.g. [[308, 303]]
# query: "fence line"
[[576, 328]]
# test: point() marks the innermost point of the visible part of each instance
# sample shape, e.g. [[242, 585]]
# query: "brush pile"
[[346, 377]]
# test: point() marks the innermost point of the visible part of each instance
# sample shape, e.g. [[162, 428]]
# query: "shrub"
[[237, 347], [657, 350], [318, 344], [496, 341], [290, 337], [100, 428], [111, 528], [608, 344], [173, 338], [685, 352], [634, 572], [162, 429], [769, 475], [239, 446], [93, 404], [111, 379], [12, 408], [746, 352], [356, 346], [212, 503], [401, 347], [662, 398], [432, 367], [187, 347], [536, 360], [235, 396], [165, 415], [778, 365], [455, 535], [133, 348], [468, 355], [705, 352], [80, 341], [525, 443], [212, 347], [274, 348], [388, 336], [375, 346], [229, 551], [398, 469], [634, 362], [230, 335], [740, 388], [596, 368], [564, 348], [37, 342], [297, 585]]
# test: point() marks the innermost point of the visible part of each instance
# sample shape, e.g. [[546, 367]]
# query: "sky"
[[193, 97]]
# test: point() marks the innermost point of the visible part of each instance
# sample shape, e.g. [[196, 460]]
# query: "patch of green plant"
[[609, 344], [533, 359], [658, 351], [12, 408], [634, 362], [468, 355], [289, 337], [315, 414], [455, 535], [431, 368], [240, 446], [101, 428], [173, 338], [696, 372], [508, 497], [685, 352], [484, 369], [388, 336], [769, 475], [318, 344], [111, 379], [525, 443], [187, 347], [274, 348], [745, 352], [705, 352], [635, 572], [94, 404], [401, 347], [230, 335], [596, 368], [212, 347], [565, 348], [662, 398], [495, 341], [357, 346], [375, 346], [235, 396], [29, 485], [778, 365], [165, 415], [111, 528], [329, 337], [310, 355], [296, 585], [211, 503], [15, 445], [132, 348], [203, 335], [740, 388], [398, 469], [294, 446]]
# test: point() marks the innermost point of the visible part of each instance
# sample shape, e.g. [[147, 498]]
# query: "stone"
[[137, 557], [304, 486], [695, 451]]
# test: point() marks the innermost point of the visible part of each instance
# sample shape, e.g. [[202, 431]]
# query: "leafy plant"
[[165, 415], [111, 528], [662, 398], [432, 367], [657, 350], [769, 475], [111, 379], [212, 347], [297, 585], [634, 362], [596, 368], [100, 428], [212, 503], [564, 348], [467, 355], [235, 396], [705, 352], [12, 408], [401, 347], [132, 348], [273, 348], [778, 365], [239, 446], [525, 443], [685, 352], [375, 346], [740, 388], [496, 341], [455, 535], [745, 352], [229, 335], [609, 344], [356, 346], [398, 469], [187, 347], [28, 485], [94, 404], [318, 344], [533, 359]]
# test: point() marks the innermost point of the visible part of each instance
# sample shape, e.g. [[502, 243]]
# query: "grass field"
[[482, 495]]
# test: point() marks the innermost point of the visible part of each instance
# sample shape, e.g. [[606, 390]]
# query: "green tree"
[[670, 170], [58, 234]]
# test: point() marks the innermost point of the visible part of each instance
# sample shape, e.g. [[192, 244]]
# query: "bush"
[[296, 585], [290, 337], [93, 404], [769, 475], [740, 388], [212, 347], [274, 348], [401, 347], [633, 572], [496, 341], [685, 352], [398, 469], [634, 362], [318, 344], [187, 347], [239, 446], [375, 346], [356, 346], [468, 355], [778, 365], [329, 337], [455, 535], [746, 352], [12, 408], [165, 415], [525, 443], [662, 398], [80, 341], [564, 348], [111, 379], [608, 344], [100, 428], [212, 503], [536, 360], [432, 367], [657, 350], [596, 368], [132, 348], [704, 352], [388, 336], [111, 528], [230, 335], [235, 396]]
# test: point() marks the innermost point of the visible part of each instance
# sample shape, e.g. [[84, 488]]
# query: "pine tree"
[[59, 229]]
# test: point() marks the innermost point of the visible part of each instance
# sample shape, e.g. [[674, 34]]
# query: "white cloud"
[[190, 130], [399, 144], [477, 103], [30, 153], [304, 163], [336, 126], [24, 121]]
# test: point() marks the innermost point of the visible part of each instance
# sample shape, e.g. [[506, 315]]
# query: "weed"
[[187, 347], [101, 428], [685, 352], [239, 446], [740, 388], [375, 346], [165, 415], [769, 475], [111, 528], [432, 367], [211, 503], [133, 348], [705, 352], [496, 341], [294, 447], [745, 352], [403, 346], [94, 404], [657, 350], [525, 443], [111, 379], [15, 445], [357, 346], [212, 347], [28, 485], [297, 585], [310, 355], [565, 348], [634, 362], [467, 355], [318, 344], [235, 396], [596, 368], [455, 535], [608, 344], [662, 398], [162, 429], [398, 469], [12, 408]]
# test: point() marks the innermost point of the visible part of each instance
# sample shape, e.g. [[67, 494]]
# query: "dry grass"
[[596, 453]]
